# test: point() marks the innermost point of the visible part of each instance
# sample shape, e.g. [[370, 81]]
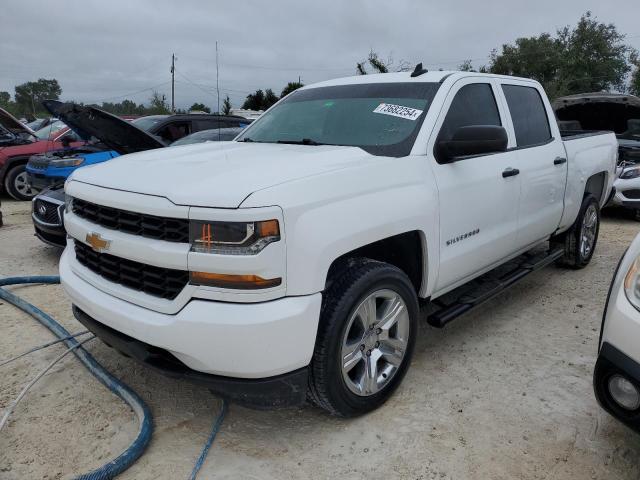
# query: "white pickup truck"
[[289, 263]]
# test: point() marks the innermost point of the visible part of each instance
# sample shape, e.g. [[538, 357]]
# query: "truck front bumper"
[[252, 342]]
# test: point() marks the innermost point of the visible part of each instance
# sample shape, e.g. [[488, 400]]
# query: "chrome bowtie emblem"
[[42, 210], [97, 243]]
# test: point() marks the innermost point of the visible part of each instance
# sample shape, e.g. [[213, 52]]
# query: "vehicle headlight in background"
[[66, 162], [232, 238], [632, 283], [630, 173]]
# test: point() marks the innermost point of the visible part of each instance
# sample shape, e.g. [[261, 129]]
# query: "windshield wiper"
[[304, 141]]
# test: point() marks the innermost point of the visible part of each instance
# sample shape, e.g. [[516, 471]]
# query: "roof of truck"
[[434, 76]]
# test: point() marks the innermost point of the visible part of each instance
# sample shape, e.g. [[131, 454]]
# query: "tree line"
[[588, 57], [28, 97]]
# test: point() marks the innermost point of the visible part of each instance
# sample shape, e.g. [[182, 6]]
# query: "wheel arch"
[[407, 251], [596, 186]]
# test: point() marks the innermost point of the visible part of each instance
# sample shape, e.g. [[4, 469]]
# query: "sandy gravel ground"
[[503, 393]]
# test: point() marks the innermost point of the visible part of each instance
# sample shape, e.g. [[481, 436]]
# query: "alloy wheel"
[[375, 342]]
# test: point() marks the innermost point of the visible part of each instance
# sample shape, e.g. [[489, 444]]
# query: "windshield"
[[380, 118], [45, 132], [145, 123]]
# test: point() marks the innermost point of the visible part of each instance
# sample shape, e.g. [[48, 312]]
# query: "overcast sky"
[[109, 50]]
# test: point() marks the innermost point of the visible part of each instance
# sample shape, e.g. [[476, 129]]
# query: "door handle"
[[510, 172], [559, 161]]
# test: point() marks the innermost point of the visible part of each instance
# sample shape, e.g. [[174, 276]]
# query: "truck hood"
[[12, 124], [220, 174], [117, 134]]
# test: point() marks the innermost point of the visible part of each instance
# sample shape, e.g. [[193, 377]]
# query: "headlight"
[[66, 162], [630, 173], [233, 238], [632, 284]]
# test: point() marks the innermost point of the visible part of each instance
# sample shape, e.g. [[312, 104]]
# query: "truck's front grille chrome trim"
[[141, 224], [157, 281]]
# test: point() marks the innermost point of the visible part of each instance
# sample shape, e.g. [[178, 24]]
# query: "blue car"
[[53, 168]]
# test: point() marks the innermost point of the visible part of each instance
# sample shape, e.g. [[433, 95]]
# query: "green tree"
[[226, 106], [378, 65], [269, 99], [157, 104], [29, 95], [591, 56], [5, 98], [466, 66], [199, 107], [290, 87], [634, 88], [254, 101]]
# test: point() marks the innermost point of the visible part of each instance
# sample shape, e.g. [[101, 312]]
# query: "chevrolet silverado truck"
[[290, 263]]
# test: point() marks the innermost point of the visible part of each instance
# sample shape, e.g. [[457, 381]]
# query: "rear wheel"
[[16, 185], [580, 240], [365, 339]]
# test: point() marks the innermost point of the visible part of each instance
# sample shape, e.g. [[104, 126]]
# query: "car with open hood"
[[619, 113], [110, 136], [18, 143]]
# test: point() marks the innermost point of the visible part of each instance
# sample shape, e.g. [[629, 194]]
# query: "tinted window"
[[174, 131], [380, 118], [529, 117], [474, 104]]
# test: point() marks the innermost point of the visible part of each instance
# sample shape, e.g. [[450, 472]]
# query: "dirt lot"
[[502, 393]]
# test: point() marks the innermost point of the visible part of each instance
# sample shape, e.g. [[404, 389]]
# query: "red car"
[[18, 142]]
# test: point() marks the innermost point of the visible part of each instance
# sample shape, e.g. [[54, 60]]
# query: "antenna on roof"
[[418, 70]]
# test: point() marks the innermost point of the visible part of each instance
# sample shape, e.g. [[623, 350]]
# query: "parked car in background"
[[15, 155], [12, 131], [616, 378], [48, 206], [216, 135], [620, 114], [112, 136], [288, 264]]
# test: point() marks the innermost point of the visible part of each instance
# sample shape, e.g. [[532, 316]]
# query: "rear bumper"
[[273, 392]]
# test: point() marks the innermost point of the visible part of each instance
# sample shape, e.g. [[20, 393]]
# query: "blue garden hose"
[[138, 446]]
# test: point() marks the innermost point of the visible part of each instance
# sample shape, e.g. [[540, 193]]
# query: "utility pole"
[[173, 83], [217, 79]]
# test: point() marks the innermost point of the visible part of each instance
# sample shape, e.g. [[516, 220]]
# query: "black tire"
[[574, 256], [13, 182], [349, 287]]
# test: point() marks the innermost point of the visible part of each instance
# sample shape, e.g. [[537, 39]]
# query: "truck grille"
[[157, 281], [47, 212], [150, 226]]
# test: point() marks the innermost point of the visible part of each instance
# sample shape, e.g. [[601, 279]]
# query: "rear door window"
[[528, 114]]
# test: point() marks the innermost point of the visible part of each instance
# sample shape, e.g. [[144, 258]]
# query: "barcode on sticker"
[[398, 111]]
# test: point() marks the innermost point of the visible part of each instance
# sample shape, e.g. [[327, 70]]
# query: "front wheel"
[[365, 340], [16, 184], [580, 240]]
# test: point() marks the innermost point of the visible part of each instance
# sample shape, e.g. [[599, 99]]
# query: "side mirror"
[[472, 140]]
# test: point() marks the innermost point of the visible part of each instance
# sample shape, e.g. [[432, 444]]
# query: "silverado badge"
[[96, 242]]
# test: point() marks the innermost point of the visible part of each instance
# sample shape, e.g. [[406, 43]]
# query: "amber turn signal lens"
[[239, 282], [268, 228]]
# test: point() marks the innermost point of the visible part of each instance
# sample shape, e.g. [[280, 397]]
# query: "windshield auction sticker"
[[398, 111]]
